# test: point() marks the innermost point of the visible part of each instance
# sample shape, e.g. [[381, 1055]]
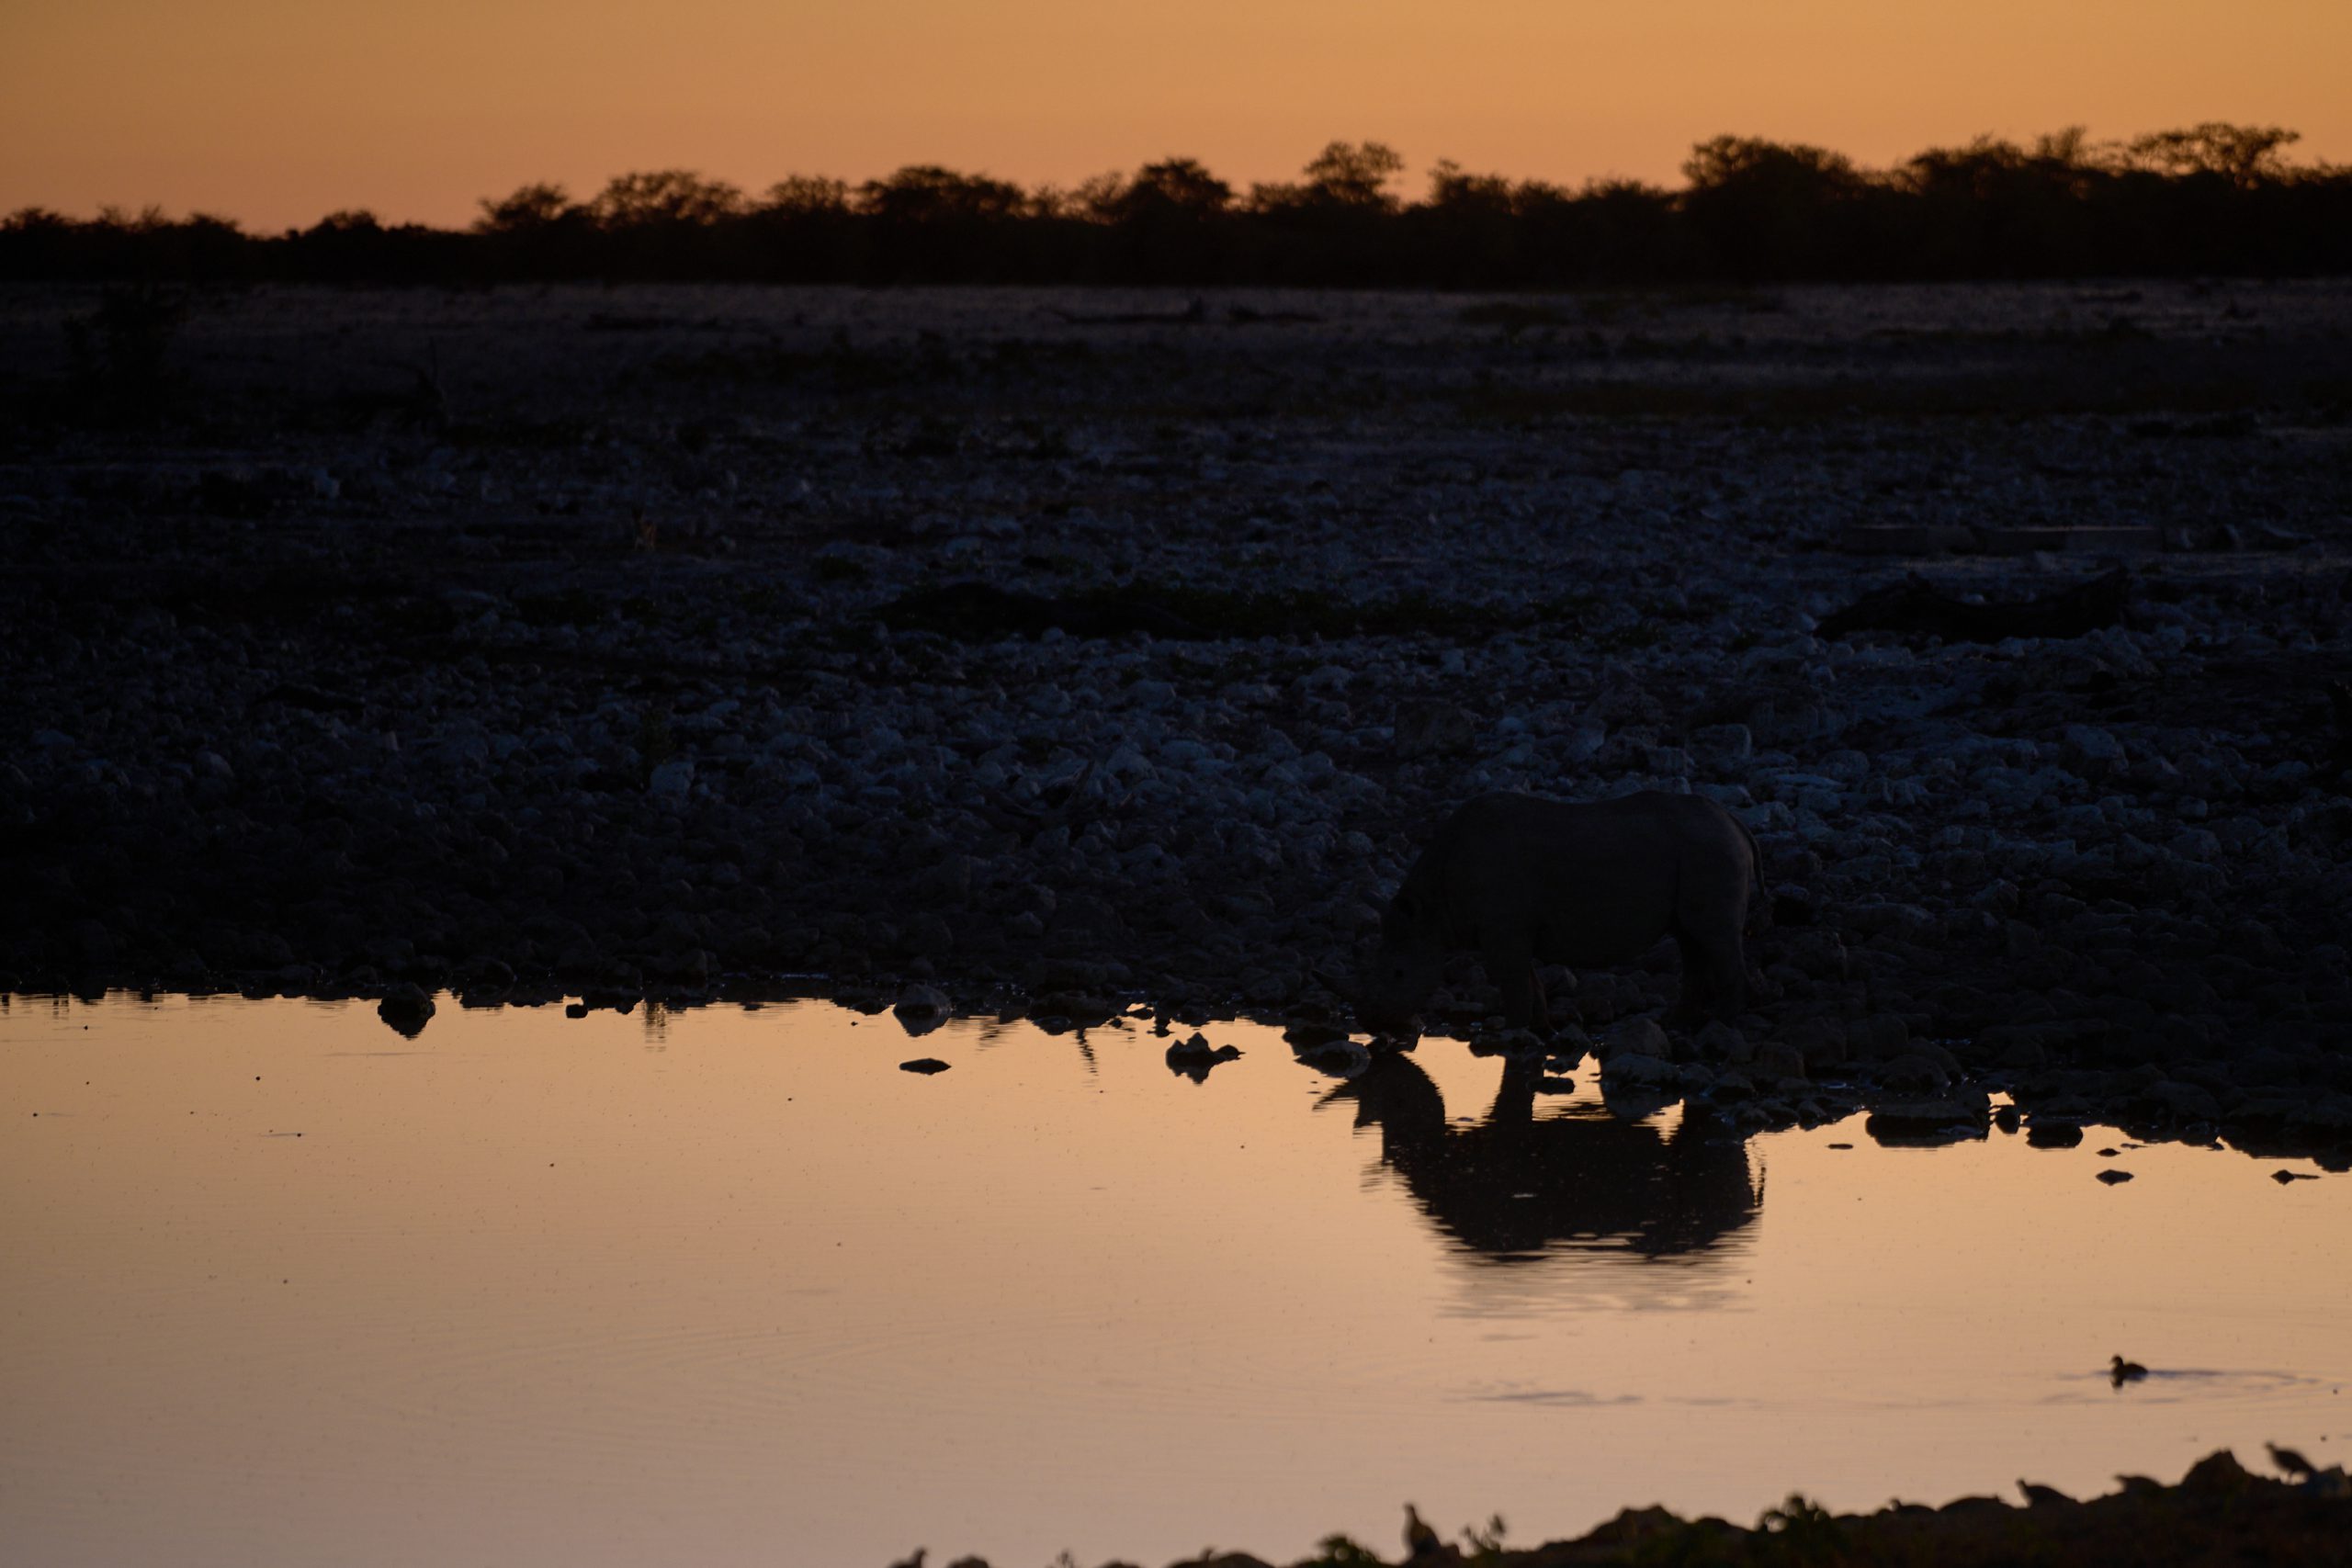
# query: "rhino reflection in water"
[[1513, 1186]]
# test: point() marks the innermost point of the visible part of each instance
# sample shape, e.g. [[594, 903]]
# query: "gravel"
[[596, 687]]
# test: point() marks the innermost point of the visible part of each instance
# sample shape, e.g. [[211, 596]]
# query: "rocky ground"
[[1060, 652], [2219, 1514]]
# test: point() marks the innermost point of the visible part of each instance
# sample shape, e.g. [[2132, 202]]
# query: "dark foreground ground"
[[2218, 1513], [564, 641]]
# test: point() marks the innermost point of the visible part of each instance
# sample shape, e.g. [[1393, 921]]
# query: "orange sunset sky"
[[275, 112]]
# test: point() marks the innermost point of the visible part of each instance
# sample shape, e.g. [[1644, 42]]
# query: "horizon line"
[[2107, 154]]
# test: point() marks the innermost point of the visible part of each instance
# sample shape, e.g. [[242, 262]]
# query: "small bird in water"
[[2291, 1462], [1420, 1542], [2120, 1372]]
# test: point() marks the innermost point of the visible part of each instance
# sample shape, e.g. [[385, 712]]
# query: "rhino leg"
[[1513, 971], [1688, 1007], [1715, 974]]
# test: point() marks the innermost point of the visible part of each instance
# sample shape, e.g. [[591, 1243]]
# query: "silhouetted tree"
[[1179, 185], [1613, 230], [804, 230], [925, 193], [208, 248], [531, 208], [2245, 155], [537, 232], [803, 195], [1769, 208], [1355, 174], [932, 224], [1451, 189], [344, 246], [1170, 223], [1994, 209], [1329, 228], [1099, 197], [1467, 234], [669, 224], [662, 197]]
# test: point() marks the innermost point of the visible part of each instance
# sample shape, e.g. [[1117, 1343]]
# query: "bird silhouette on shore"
[[2291, 1462], [1421, 1542]]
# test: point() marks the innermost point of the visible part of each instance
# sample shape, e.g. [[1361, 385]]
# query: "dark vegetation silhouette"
[[2211, 198]]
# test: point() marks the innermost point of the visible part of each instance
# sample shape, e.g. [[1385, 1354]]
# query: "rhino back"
[[1580, 882]]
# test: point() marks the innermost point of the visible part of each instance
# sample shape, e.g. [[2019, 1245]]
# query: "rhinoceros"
[[1520, 881]]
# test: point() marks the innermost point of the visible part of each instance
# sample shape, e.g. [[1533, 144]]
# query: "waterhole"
[[728, 1286]]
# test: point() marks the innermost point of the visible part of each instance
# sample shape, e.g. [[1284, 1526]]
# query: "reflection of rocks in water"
[[1958, 1115], [1193, 1058], [1341, 1058], [406, 1009], [1513, 1187], [921, 1008], [2054, 1133]]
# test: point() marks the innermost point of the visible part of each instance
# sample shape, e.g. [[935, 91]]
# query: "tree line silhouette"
[[2216, 198]]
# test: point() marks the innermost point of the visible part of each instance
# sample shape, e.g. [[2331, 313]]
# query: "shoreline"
[[2217, 1513]]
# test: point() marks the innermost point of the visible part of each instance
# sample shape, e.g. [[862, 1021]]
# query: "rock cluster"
[[2217, 1512]]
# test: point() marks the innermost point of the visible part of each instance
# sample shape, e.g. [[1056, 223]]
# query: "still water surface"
[[729, 1287]]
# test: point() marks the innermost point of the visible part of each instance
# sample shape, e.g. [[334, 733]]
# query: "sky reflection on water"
[[726, 1285]]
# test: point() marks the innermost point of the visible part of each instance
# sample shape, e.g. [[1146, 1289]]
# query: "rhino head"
[[1394, 979]]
